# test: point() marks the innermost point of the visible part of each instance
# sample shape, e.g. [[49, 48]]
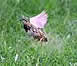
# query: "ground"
[[17, 48]]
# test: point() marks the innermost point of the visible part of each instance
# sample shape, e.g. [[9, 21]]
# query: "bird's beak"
[[20, 18]]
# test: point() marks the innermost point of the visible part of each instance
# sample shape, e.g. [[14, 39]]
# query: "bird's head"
[[24, 19]]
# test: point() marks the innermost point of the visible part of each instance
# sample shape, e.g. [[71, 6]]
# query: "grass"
[[61, 29]]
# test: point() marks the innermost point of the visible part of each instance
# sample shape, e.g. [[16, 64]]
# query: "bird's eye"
[[26, 20]]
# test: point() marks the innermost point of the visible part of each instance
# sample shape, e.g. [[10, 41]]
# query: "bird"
[[35, 25]]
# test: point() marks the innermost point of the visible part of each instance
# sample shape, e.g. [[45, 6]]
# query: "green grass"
[[61, 29]]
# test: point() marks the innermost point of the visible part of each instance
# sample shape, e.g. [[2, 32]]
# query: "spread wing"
[[40, 20]]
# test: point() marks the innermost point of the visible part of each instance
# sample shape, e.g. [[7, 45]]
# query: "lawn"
[[18, 49]]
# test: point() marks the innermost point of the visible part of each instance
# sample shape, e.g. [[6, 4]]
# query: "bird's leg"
[[41, 39]]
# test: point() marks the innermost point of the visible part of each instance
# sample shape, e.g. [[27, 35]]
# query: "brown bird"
[[35, 25]]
